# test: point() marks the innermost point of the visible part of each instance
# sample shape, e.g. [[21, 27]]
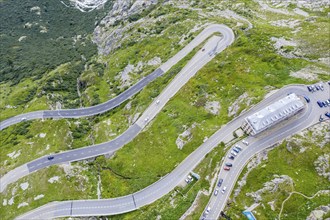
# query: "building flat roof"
[[275, 112]]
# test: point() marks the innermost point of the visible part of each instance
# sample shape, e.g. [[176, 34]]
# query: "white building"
[[272, 114]]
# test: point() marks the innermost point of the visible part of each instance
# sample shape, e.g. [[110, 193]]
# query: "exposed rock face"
[[271, 187], [233, 109], [322, 166], [315, 5], [309, 73], [318, 213], [107, 37], [213, 107], [184, 137]]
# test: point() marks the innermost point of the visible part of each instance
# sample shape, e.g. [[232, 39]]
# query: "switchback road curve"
[[112, 103], [213, 46]]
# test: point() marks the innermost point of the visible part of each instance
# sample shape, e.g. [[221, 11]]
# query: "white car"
[[245, 142], [190, 178], [216, 192], [224, 190], [146, 119], [233, 153], [158, 101], [23, 119]]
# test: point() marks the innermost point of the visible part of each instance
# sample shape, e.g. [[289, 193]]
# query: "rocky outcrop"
[[107, 35], [322, 166], [318, 213], [270, 187]]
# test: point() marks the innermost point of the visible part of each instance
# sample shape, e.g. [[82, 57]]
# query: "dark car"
[[320, 103], [236, 150], [50, 157], [231, 157], [310, 88], [220, 182], [327, 114], [307, 99], [229, 164], [317, 87]]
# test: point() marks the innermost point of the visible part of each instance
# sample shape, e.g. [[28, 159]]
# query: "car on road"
[[320, 104], [229, 164], [207, 211], [146, 119], [307, 99], [233, 153], [203, 49], [50, 157], [23, 119], [224, 190], [226, 168], [245, 142], [327, 114], [216, 192], [158, 101], [231, 157], [220, 182]]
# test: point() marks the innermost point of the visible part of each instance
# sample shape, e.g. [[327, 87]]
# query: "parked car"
[[220, 182], [321, 87], [233, 153], [229, 164], [231, 157], [236, 150], [320, 103], [226, 168], [224, 189], [327, 102], [327, 114], [317, 87], [310, 88], [216, 192], [238, 147]]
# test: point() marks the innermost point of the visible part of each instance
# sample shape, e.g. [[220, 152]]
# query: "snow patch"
[[11, 201], [42, 135], [14, 155], [39, 197], [54, 179], [22, 204], [24, 186]]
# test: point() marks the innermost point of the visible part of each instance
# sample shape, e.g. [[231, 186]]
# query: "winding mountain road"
[[213, 46]]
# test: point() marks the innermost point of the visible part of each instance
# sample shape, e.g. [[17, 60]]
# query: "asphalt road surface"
[[309, 116], [215, 45], [170, 181]]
